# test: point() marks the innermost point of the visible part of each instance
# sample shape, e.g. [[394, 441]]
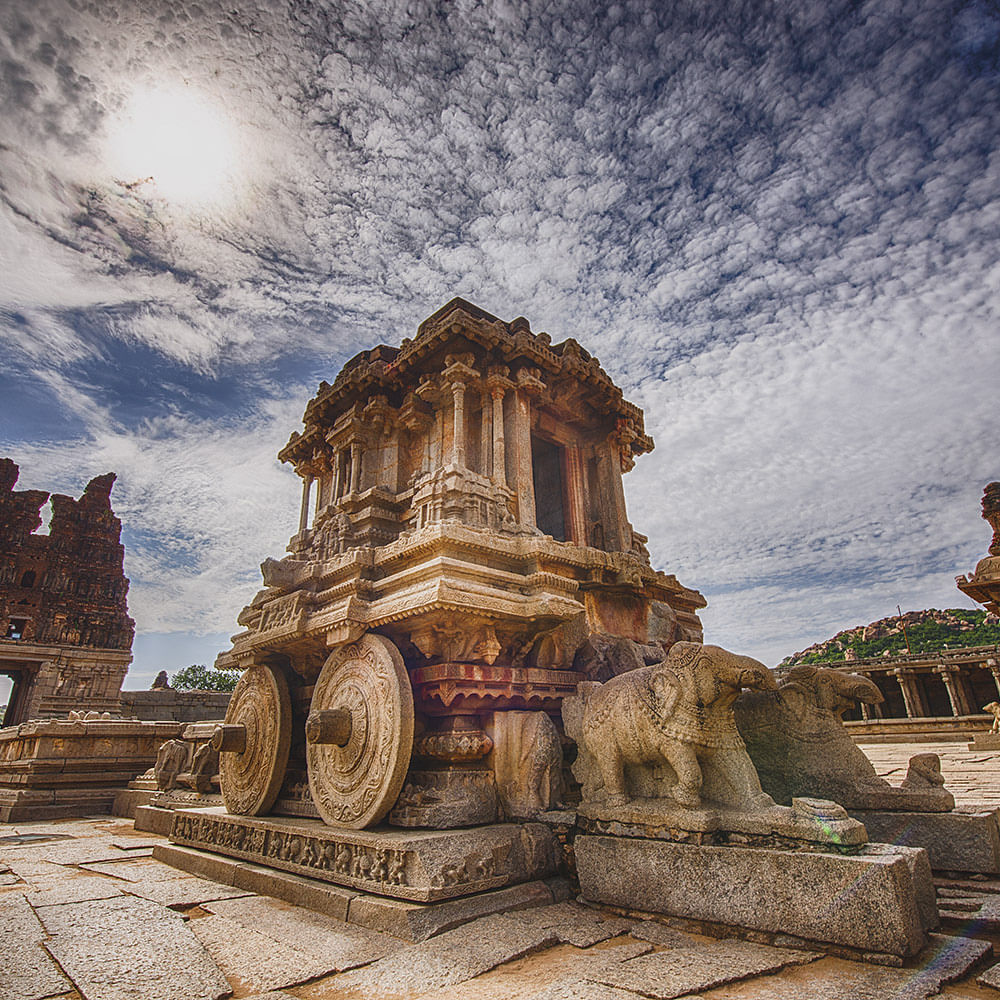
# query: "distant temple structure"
[[983, 584], [945, 691], [65, 633]]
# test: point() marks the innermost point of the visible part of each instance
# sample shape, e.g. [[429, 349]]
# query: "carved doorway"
[[23, 678]]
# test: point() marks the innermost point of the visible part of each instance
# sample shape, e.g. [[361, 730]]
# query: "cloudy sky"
[[776, 224]]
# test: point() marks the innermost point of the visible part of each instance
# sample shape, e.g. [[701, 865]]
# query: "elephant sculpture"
[[797, 740], [667, 730]]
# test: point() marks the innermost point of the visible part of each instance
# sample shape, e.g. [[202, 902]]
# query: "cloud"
[[776, 226]]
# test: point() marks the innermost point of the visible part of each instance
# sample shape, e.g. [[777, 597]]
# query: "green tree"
[[198, 677]]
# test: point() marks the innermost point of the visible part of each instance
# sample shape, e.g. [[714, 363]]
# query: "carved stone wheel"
[[252, 777], [356, 779]]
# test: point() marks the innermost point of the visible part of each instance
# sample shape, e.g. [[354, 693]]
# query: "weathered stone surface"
[[592, 964], [446, 799], [574, 924], [71, 888], [253, 960], [132, 870], [150, 819], [28, 971], [816, 821], [341, 945], [130, 949], [866, 901], [527, 761], [420, 865], [452, 957], [410, 921], [417, 922], [985, 741], [991, 977], [985, 917], [945, 960], [52, 768], [701, 965], [799, 746], [964, 840], [179, 893]]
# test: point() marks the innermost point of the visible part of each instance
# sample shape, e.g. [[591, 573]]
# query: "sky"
[[775, 223]]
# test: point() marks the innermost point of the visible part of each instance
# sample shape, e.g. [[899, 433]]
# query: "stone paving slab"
[[344, 946], [178, 893], [131, 949], [28, 970], [452, 957], [71, 888], [132, 869], [29, 866], [560, 971], [679, 971], [575, 924], [254, 961], [945, 960], [991, 977]]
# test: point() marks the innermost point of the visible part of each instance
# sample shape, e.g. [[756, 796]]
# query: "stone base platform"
[[878, 902], [965, 840], [415, 865], [59, 768], [410, 921], [985, 741]]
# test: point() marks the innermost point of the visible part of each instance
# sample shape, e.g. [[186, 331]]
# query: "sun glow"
[[179, 143]]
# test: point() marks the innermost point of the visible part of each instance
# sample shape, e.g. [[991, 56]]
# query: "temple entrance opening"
[[547, 463]]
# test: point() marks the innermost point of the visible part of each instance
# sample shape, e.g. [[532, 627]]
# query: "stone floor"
[[86, 912]]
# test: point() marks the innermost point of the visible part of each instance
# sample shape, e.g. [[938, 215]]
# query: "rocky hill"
[[927, 632]]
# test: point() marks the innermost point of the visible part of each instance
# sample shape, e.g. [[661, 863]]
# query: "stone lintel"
[[876, 901], [958, 841]]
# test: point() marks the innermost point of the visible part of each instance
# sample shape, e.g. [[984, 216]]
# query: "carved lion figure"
[[668, 729]]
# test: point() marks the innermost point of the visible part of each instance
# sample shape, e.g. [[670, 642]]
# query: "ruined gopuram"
[[65, 633]]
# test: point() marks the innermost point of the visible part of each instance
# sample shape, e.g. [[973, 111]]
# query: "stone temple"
[[463, 512], [65, 633]]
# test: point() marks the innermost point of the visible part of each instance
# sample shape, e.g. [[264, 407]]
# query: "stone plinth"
[[878, 901], [168, 705], [958, 841], [73, 767], [417, 865], [985, 741]]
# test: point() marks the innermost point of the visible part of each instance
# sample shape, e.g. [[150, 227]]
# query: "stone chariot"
[[463, 561]]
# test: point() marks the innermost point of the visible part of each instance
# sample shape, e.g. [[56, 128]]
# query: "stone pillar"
[[304, 512], [575, 472], [524, 484], [911, 696], [355, 466], [499, 458], [335, 488], [994, 669], [458, 425], [618, 533], [956, 692], [485, 438]]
